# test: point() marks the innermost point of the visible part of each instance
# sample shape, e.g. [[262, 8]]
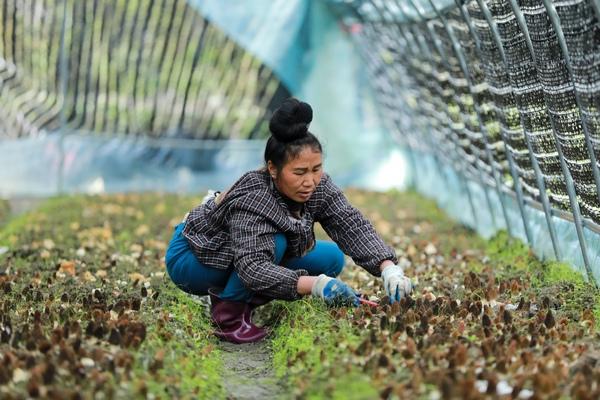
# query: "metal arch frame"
[[367, 54], [538, 173], [442, 54], [437, 163], [436, 160], [563, 164], [470, 88], [370, 66], [511, 162], [459, 162], [461, 176], [554, 18], [411, 151], [412, 51], [463, 65], [549, 212]]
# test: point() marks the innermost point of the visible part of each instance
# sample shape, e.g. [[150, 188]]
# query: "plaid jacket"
[[240, 230]]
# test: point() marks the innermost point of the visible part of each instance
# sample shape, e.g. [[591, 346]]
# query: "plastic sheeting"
[[108, 165], [301, 41], [445, 185], [334, 70], [399, 11], [276, 31], [501, 93], [281, 32]]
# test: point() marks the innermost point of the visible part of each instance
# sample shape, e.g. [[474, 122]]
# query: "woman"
[[256, 242]]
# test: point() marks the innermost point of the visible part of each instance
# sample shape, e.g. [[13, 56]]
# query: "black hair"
[[289, 132]]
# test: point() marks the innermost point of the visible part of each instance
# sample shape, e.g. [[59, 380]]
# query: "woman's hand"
[[334, 291], [396, 284], [305, 284]]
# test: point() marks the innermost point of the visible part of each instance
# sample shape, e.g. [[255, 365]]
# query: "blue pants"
[[190, 275]]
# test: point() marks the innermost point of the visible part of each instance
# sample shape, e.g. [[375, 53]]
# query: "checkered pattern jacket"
[[238, 228]]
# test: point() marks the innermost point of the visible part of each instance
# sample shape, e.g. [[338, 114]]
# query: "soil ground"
[[248, 372], [87, 310]]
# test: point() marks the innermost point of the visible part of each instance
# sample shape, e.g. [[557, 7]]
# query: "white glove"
[[334, 291], [396, 284]]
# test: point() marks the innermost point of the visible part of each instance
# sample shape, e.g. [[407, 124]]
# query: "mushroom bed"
[[87, 311]]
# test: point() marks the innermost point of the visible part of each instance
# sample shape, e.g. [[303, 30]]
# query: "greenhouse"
[[284, 199]]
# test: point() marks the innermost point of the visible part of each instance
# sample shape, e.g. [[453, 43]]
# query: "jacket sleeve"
[[355, 235], [253, 240]]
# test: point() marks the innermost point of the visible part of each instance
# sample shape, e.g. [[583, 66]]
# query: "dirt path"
[[20, 205], [248, 368], [248, 371]]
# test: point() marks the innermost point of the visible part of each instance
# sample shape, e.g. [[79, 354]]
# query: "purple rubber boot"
[[233, 320]]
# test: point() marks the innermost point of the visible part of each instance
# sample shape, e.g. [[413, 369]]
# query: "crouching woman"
[[256, 241]]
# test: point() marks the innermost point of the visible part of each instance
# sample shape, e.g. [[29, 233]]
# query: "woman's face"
[[299, 176]]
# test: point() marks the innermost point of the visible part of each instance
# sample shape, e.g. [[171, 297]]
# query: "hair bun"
[[290, 121]]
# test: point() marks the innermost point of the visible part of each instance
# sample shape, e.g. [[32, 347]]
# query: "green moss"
[[559, 272], [507, 255], [476, 266], [4, 211], [310, 346], [192, 366], [177, 358], [515, 255], [61, 210], [347, 387], [296, 335], [8, 235], [596, 312], [509, 251], [454, 112], [493, 129], [553, 279]]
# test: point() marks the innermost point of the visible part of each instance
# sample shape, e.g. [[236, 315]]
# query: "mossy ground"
[[90, 311], [361, 352], [4, 212], [309, 348]]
